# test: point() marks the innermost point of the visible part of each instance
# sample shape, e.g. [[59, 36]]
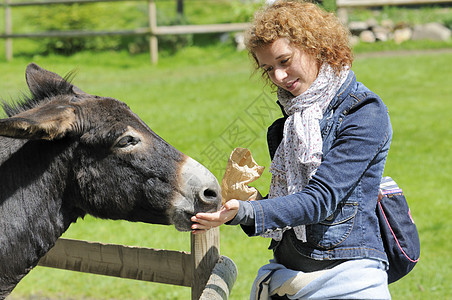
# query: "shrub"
[[97, 17], [83, 17], [448, 23], [167, 43], [173, 43]]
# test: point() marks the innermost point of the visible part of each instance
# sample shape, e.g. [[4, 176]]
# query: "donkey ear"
[[38, 78], [48, 122]]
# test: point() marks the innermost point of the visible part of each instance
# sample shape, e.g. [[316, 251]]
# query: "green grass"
[[194, 98], [417, 93]]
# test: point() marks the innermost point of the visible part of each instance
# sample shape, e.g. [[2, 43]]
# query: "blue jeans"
[[353, 279]]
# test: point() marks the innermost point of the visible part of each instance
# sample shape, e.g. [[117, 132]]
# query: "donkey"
[[65, 153]]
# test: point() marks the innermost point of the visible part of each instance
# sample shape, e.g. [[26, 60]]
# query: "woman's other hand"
[[205, 221]]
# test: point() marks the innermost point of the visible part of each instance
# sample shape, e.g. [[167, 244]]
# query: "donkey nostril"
[[209, 193]]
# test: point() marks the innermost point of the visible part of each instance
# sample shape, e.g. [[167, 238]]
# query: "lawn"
[[198, 98]]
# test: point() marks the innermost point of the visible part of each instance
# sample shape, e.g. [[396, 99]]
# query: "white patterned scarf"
[[300, 152]]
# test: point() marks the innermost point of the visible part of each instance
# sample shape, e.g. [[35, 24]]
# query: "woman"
[[328, 155]]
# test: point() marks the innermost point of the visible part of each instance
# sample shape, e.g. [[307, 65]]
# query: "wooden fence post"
[[153, 41], [8, 30], [221, 280], [205, 251]]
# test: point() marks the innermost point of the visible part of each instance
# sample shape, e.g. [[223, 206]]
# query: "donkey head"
[[114, 165]]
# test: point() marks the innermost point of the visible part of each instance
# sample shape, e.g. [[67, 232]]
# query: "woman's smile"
[[292, 85]]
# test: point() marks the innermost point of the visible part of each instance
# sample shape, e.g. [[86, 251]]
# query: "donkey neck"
[[34, 179]]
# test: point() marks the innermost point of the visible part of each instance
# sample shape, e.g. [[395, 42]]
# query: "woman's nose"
[[280, 75]]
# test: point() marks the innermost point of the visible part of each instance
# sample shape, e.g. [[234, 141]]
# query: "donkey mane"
[[46, 90]]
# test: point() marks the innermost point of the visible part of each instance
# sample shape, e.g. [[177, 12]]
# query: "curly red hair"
[[306, 25]]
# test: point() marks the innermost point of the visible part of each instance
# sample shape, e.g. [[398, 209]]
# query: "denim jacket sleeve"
[[360, 135]]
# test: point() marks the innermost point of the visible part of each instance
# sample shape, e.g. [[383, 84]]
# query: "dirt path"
[[403, 53]]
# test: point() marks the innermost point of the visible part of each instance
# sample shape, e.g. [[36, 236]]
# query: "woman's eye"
[[269, 69], [284, 61], [127, 141]]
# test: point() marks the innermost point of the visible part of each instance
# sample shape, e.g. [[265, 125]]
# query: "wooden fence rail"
[[209, 275], [152, 30], [369, 3], [343, 5]]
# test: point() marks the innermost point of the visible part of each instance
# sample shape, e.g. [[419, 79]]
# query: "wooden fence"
[[153, 31], [209, 275], [342, 5], [368, 3]]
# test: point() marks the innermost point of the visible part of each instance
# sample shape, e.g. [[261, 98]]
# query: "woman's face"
[[287, 66]]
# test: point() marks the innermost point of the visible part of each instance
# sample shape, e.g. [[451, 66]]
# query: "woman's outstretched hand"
[[205, 221]]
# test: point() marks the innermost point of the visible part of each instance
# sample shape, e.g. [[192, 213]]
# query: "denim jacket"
[[338, 204]]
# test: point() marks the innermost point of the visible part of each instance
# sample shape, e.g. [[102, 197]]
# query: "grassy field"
[[199, 99], [196, 98]]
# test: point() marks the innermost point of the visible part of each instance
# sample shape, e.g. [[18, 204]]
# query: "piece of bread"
[[240, 171]]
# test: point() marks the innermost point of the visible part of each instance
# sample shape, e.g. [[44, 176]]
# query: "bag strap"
[[389, 187]]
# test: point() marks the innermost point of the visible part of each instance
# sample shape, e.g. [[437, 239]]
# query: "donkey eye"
[[127, 141]]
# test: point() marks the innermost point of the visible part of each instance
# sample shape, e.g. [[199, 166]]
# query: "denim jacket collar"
[[343, 92]]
